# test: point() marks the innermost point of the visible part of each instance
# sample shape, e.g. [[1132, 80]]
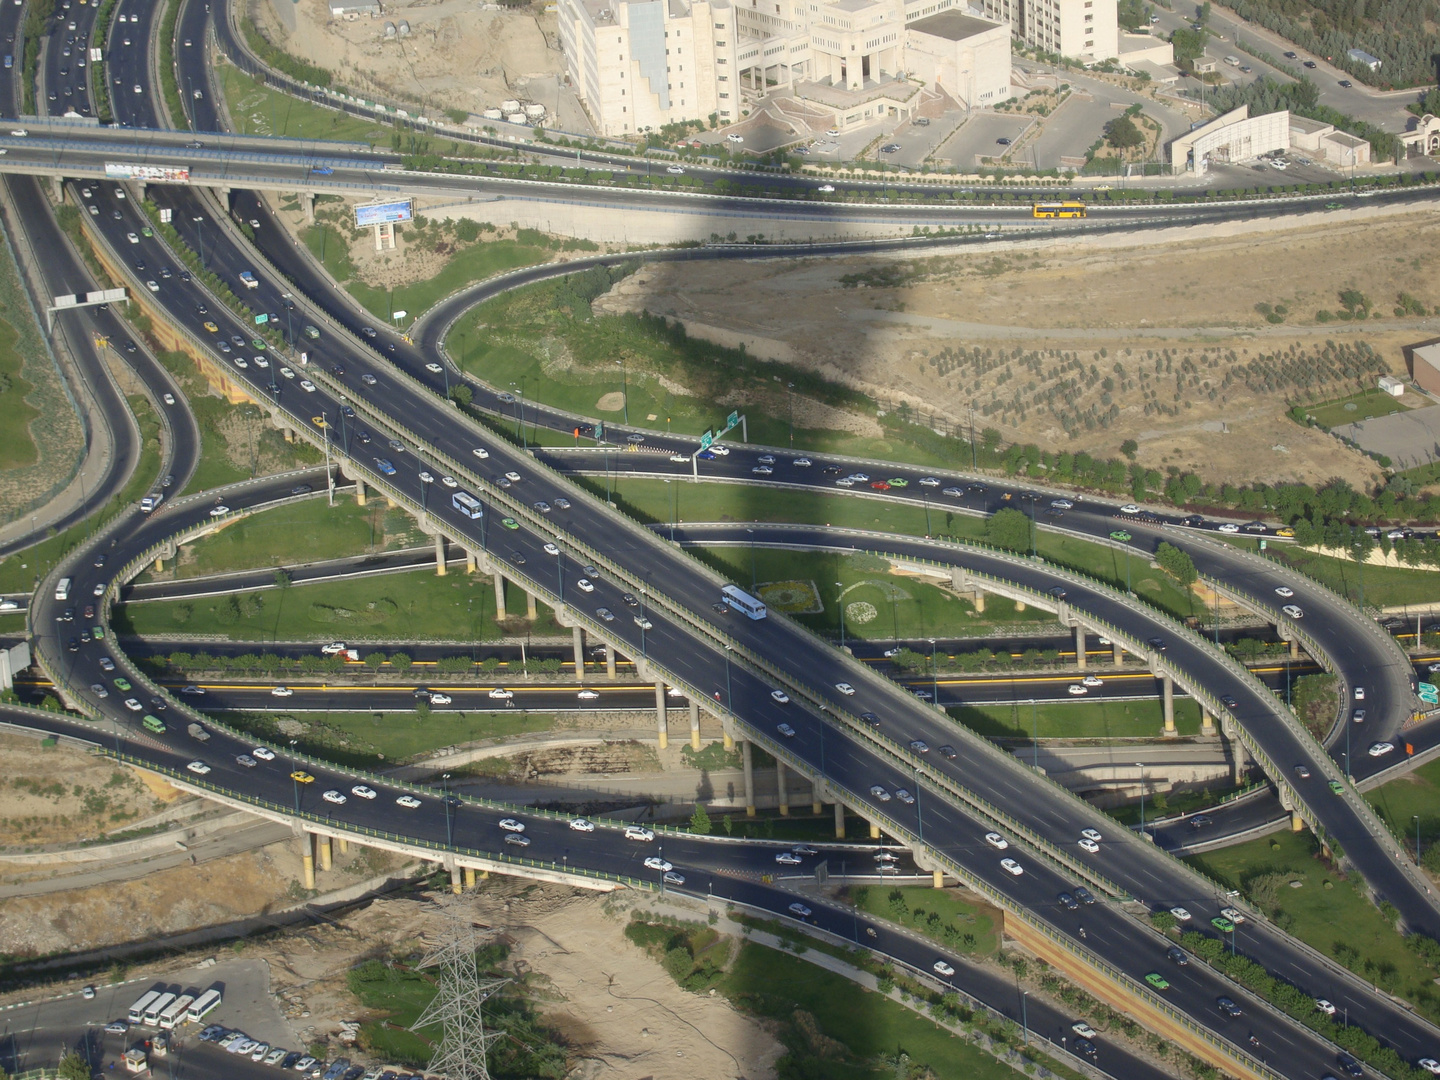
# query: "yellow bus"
[[1058, 209]]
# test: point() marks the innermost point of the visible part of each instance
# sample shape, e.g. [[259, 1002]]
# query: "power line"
[[457, 1005]]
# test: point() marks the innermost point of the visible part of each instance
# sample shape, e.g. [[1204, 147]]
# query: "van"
[[638, 832], [1233, 61], [151, 501], [248, 280], [62, 590]]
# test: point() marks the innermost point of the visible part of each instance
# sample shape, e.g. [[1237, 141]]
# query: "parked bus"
[[1058, 209], [205, 1004], [137, 1011], [153, 723], [62, 590], [467, 504], [155, 1008], [177, 1012], [742, 601]]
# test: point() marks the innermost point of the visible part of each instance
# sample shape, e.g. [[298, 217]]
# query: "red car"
[[880, 485]]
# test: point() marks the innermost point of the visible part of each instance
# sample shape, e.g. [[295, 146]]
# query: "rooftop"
[[952, 25]]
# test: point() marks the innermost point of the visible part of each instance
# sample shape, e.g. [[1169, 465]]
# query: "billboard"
[[382, 213], [165, 174]]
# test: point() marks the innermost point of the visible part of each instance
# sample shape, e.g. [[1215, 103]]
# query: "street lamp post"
[[728, 701], [294, 782], [625, 378], [790, 396], [1141, 766], [1025, 1016], [674, 506], [840, 603], [449, 834], [1417, 837], [751, 534], [934, 677], [329, 475]]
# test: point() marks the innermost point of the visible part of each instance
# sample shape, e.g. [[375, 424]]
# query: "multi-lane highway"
[[830, 743]]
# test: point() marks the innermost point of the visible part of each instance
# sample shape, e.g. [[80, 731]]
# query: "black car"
[[831, 470], [364, 437], [1002, 141], [1058, 593], [871, 719], [201, 309], [1230, 702], [1156, 643], [1349, 1064], [630, 600], [1312, 65], [1084, 895], [518, 558], [100, 559], [1193, 521], [73, 645], [301, 489], [1199, 821], [1227, 1006], [1068, 902], [1178, 955], [1086, 1047], [947, 752], [128, 345], [1346, 83], [68, 615], [337, 369]]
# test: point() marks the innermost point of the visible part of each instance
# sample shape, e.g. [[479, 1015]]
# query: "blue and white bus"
[[204, 1005], [467, 504], [743, 602]]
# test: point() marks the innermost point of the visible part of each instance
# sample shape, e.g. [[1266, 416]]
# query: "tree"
[[374, 660], [282, 579], [1177, 563], [1123, 133], [700, 821], [73, 1067], [461, 394], [401, 662], [1129, 448], [1009, 529]]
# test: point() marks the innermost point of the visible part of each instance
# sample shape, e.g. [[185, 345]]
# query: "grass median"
[[1077, 720], [1410, 804], [255, 109], [1381, 586]]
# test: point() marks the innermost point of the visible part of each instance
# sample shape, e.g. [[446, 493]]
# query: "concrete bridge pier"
[[344, 845], [727, 734], [470, 563], [694, 726], [660, 719], [577, 638], [610, 662], [1080, 646], [1238, 758], [359, 492], [456, 879], [1167, 690], [307, 858], [961, 583], [1119, 654], [440, 568], [307, 200], [166, 552], [782, 794], [531, 612], [745, 757], [469, 877], [1297, 823], [874, 831], [57, 188], [839, 820], [1207, 723], [499, 580], [327, 860]]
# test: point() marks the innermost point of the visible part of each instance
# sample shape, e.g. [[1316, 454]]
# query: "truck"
[[151, 501], [249, 280], [198, 732]]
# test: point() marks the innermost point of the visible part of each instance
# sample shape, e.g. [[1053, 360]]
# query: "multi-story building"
[[1085, 30]]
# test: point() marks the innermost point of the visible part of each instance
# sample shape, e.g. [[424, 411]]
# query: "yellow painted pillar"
[[470, 566], [839, 821], [749, 778], [307, 858], [939, 879], [469, 877], [531, 611], [344, 845], [727, 740], [1297, 823], [327, 859], [159, 564], [1207, 723], [440, 568], [874, 831], [359, 492], [782, 795], [694, 726], [1019, 605]]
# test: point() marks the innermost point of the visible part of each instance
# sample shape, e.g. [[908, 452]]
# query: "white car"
[[929, 481], [425, 477], [260, 1051], [581, 824], [1092, 681], [1012, 867], [278, 1054], [433, 368], [845, 688], [439, 699], [799, 910], [1129, 508], [219, 511], [787, 858], [132, 238], [1359, 693], [780, 696], [786, 730], [287, 372], [1229, 527], [675, 692], [264, 753], [304, 1065], [199, 768], [1077, 690], [1233, 914], [1092, 834], [333, 796], [450, 482], [583, 584], [501, 694], [639, 832], [1320, 1003], [1380, 749], [513, 477], [281, 691], [801, 463], [509, 824], [588, 695], [1180, 913], [409, 802], [995, 840], [551, 549], [169, 399], [1285, 591], [735, 138], [1086, 844], [1430, 1065], [675, 170], [360, 791], [880, 793], [1062, 504], [307, 386], [481, 452], [1293, 610], [133, 705], [654, 862], [1084, 1030], [940, 967], [117, 1027]]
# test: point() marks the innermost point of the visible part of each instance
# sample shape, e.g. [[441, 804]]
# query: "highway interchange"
[[833, 746]]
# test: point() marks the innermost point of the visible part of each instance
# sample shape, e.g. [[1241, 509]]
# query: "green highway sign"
[[706, 440]]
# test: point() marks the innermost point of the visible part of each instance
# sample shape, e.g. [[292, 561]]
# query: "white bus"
[[176, 1012], [137, 1011], [205, 1004], [62, 590], [467, 504], [743, 601], [155, 1008]]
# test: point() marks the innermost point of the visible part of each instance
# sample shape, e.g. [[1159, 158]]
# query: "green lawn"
[[472, 264], [1401, 800], [17, 447], [413, 606], [931, 912], [305, 531], [1098, 719], [214, 469], [1367, 405], [12, 623], [1384, 586], [372, 739], [257, 110], [20, 571], [872, 1029], [657, 501], [1327, 911]]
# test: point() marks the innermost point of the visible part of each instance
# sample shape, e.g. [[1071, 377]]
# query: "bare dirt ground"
[[456, 56], [1030, 335], [57, 794]]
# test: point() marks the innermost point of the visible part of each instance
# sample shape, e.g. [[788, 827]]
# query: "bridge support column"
[[727, 741], [471, 565], [359, 490], [1207, 723], [939, 878], [1019, 605], [874, 831], [610, 662], [1297, 823], [439, 555], [307, 198], [1119, 654], [1238, 759], [327, 860], [530, 611], [469, 877], [499, 579], [1294, 649], [456, 880], [577, 638], [839, 820], [694, 726], [1080, 646], [749, 777], [782, 794], [1167, 689], [307, 859], [664, 734], [344, 845]]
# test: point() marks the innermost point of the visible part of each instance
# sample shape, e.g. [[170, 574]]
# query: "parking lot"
[[978, 135]]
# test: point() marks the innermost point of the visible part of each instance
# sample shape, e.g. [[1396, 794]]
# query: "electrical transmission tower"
[[457, 1005]]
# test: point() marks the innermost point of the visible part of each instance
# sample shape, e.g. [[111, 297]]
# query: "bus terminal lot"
[[36, 1031]]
